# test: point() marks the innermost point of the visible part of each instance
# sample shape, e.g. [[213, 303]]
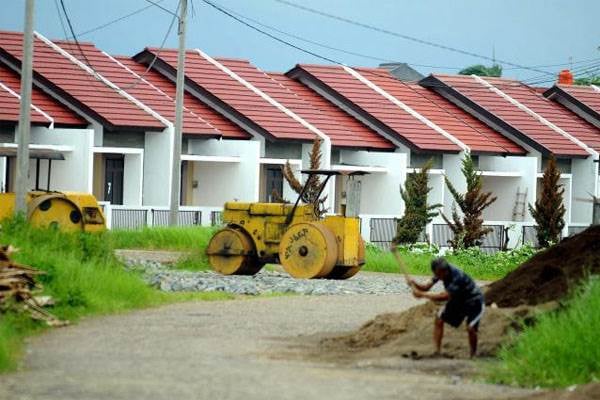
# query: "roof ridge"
[[102, 79], [265, 96], [143, 79], [456, 116], [36, 108], [408, 109], [537, 116]]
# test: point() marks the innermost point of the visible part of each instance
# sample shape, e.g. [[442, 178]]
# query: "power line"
[[406, 37], [119, 19], [155, 3], [62, 3], [60, 18], [157, 54], [368, 71]]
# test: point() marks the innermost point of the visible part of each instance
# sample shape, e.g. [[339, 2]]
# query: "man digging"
[[463, 300]]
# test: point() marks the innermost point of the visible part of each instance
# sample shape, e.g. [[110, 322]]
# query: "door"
[[274, 183], [114, 167]]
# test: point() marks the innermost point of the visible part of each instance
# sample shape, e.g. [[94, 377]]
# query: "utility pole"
[[180, 82], [22, 183]]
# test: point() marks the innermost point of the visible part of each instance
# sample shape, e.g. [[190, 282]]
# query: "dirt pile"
[[550, 274], [409, 334]]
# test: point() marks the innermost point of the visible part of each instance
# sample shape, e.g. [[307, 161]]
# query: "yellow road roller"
[[67, 211], [306, 245]]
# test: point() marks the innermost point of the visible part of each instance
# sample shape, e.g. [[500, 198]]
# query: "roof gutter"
[[408, 109], [537, 116], [39, 110]]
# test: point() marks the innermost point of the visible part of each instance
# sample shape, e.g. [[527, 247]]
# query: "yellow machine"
[[67, 211], [306, 245]]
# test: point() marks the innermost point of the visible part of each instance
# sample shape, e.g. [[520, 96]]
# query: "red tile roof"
[[477, 136], [468, 129], [343, 129], [234, 94], [227, 128], [9, 112], [131, 83], [522, 121], [86, 91], [586, 95]]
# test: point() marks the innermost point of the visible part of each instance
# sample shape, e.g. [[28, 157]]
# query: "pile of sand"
[[409, 334], [550, 274]]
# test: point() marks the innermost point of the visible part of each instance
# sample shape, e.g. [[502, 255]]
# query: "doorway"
[[114, 168], [274, 183]]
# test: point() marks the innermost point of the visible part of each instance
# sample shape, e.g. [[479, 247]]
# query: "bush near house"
[[83, 276], [467, 227], [417, 213], [549, 210], [473, 261], [560, 350]]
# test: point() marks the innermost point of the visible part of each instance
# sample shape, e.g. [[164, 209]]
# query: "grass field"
[[83, 276], [473, 261], [560, 350]]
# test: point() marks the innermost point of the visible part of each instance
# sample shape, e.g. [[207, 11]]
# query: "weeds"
[[560, 350]]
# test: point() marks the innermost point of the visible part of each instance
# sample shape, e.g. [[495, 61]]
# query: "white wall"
[[585, 184], [158, 153], [219, 182], [74, 172], [452, 164], [3, 163], [505, 187], [380, 192], [133, 179]]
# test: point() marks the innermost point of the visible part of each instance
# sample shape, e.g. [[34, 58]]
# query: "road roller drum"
[[232, 252], [308, 250]]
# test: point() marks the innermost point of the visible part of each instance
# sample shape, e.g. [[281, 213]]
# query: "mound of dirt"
[[409, 334], [550, 274]]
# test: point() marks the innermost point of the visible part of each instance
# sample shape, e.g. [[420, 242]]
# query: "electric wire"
[[406, 37], [119, 19]]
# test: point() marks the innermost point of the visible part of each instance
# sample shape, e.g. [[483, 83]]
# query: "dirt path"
[[225, 350]]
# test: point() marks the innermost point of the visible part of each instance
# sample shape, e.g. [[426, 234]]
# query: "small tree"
[[311, 194], [549, 209], [417, 214], [481, 70], [468, 230]]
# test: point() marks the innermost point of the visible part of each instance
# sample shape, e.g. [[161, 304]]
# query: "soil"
[[409, 334], [550, 274], [587, 392]]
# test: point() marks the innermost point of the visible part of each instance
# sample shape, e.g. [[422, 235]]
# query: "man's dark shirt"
[[460, 286]]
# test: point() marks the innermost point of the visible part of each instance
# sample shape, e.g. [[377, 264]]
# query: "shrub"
[[468, 230], [560, 350]]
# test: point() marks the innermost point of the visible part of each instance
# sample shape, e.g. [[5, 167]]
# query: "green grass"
[[84, 277], [562, 349], [163, 238], [192, 240], [473, 261]]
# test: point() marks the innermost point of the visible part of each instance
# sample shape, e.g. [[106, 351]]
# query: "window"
[[417, 160], [274, 183]]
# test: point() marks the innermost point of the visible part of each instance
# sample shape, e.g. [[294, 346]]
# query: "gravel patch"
[[265, 282]]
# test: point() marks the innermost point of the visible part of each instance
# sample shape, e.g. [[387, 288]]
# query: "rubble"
[[18, 287]]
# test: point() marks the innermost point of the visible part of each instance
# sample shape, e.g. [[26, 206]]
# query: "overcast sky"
[[524, 32]]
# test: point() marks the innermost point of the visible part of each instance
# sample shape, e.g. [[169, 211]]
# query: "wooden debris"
[[18, 288]]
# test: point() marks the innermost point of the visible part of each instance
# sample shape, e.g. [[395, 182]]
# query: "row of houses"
[[104, 124]]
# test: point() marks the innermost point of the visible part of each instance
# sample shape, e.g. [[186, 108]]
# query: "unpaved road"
[[224, 350]]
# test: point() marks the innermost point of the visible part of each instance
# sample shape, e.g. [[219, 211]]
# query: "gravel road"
[[225, 350]]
